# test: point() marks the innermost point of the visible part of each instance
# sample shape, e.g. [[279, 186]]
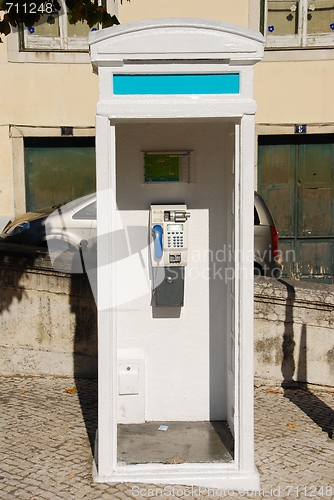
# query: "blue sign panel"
[[300, 129], [217, 83]]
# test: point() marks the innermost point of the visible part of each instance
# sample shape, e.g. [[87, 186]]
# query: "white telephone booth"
[[175, 180]]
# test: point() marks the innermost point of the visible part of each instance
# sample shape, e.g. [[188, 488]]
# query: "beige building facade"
[[49, 95]]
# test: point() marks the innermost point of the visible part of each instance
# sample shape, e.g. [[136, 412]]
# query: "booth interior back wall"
[[185, 349]]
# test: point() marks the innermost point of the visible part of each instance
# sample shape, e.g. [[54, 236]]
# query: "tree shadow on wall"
[[295, 383], [14, 261]]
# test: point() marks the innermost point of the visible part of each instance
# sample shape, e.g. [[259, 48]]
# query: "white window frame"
[[302, 39], [63, 42]]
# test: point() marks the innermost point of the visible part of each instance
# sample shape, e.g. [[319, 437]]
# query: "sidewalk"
[[46, 452]]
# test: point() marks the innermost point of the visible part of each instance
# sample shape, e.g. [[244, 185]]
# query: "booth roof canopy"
[[168, 39]]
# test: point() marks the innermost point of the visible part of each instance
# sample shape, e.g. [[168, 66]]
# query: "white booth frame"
[[241, 474]]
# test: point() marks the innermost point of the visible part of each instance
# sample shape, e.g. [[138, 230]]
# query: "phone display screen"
[[174, 227]]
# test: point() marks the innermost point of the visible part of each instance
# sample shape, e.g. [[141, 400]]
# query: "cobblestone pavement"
[[46, 452]]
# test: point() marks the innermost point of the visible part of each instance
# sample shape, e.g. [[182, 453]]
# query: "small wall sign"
[[67, 131], [300, 129]]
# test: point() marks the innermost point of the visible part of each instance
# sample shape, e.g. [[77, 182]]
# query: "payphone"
[[169, 252]]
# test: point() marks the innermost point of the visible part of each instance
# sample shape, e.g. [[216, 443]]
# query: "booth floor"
[[174, 442]]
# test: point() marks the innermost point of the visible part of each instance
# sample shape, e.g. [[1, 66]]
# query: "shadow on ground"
[[313, 407], [87, 392]]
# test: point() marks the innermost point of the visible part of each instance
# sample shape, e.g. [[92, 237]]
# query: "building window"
[[54, 32], [58, 169], [299, 23]]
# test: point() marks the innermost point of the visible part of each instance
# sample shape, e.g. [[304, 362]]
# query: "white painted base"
[[220, 477]]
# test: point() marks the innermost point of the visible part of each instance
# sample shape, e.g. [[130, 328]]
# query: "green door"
[[296, 181]]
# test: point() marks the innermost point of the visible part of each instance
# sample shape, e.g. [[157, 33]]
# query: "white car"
[[72, 226]]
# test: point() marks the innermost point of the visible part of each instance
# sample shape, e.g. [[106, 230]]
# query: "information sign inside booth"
[[167, 166]]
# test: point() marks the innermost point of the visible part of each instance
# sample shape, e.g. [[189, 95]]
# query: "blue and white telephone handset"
[[169, 235], [158, 244]]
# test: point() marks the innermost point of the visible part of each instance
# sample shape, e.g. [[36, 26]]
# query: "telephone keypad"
[[175, 239]]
